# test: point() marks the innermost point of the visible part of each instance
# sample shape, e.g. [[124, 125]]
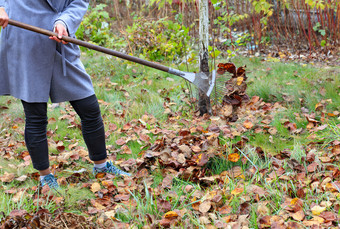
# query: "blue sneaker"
[[110, 168], [51, 182]]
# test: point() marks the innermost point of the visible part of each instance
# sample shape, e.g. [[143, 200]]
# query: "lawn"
[[276, 165]]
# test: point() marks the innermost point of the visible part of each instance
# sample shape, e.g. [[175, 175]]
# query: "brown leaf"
[[336, 150], [301, 193], [167, 181], [121, 197], [196, 149], [262, 209], [328, 216], [125, 150], [181, 158], [265, 221], [7, 177], [298, 216], [226, 209], [272, 131], [185, 149], [227, 110], [142, 173], [290, 126], [205, 206], [312, 167], [18, 213], [18, 196], [294, 225], [165, 222], [127, 126], [204, 220], [256, 190], [144, 137], [163, 205], [95, 187], [21, 178], [120, 142], [248, 124], [202, 159], [112, 127]]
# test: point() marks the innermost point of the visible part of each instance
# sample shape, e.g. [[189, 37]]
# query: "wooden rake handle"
[[90, 46]]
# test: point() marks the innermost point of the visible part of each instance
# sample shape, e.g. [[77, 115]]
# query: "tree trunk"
[[204, 100]]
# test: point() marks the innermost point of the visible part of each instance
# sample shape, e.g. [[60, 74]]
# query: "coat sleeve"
[[2, 3], [73, 15]]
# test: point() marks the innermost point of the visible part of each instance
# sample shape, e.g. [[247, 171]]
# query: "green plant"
[[95, 26], [317, 28], [160, 40]]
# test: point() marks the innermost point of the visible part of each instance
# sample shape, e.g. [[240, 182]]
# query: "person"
[[36, 69]]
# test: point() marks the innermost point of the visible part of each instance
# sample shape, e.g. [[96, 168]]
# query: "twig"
[[63, 222]]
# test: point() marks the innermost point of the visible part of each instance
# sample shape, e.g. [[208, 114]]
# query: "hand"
[[61, 31], [3, 18]]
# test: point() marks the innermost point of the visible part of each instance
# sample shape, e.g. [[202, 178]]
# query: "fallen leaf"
[[328, 216], [205, 206], [262, 209], [312, 167], [21, 178], [7, 177], [110, 214], [120, 142], [234, 157], [167, 181], [317, 210], [248, 124], [126, 150], [17, 196], [95, 187], [298, 216], [237, 191], [170, 214]]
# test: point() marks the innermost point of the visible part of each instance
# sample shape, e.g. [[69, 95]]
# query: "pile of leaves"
[[234, 89], [45, 219]]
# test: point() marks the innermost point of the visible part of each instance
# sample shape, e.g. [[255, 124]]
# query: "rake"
[[200, 80]]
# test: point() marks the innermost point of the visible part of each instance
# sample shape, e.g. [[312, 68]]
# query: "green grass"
[[130, 91]]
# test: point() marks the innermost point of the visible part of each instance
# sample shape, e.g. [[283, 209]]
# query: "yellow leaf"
[[239, 80], [294, 201], [318, 219], [234, 157], [237, 191], [317, 210], [98, 206], [95, 187], [318, 106], [248, 124], [111, 214], [170, 214]]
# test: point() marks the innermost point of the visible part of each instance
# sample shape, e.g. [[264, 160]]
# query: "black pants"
[[36, 129]]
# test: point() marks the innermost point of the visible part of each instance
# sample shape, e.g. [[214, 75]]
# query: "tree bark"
[[204, 100]]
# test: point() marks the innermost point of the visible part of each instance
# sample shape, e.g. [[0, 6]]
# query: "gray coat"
[[33, 67]]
